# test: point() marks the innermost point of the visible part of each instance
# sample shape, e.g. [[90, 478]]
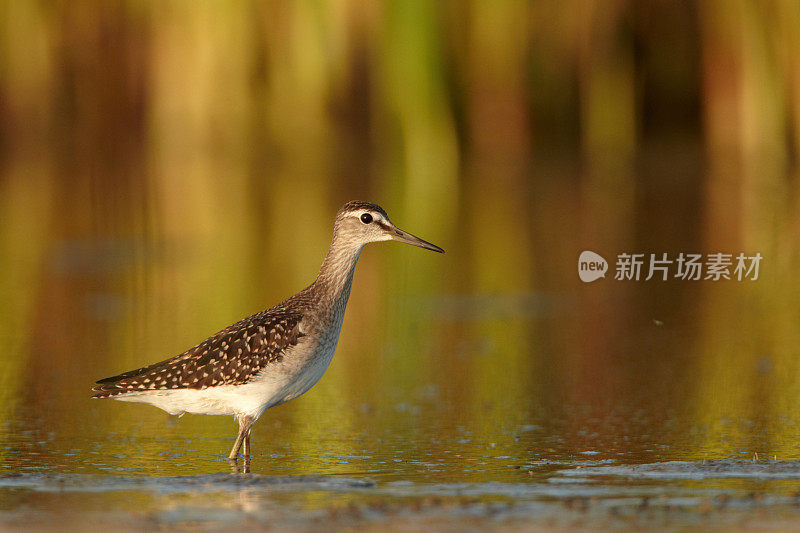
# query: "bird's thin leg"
[[244, 430], [235, 450], [246, 454], [246, 458]]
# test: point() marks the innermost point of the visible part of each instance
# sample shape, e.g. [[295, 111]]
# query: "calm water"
[[167, 169], [597, 404]]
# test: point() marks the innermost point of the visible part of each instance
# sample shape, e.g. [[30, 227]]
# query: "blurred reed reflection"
[[167, 168]]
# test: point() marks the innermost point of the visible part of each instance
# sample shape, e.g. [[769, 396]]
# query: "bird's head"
[[359, 223]]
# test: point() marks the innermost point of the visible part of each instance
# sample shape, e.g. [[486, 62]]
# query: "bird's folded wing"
[[235, 355]]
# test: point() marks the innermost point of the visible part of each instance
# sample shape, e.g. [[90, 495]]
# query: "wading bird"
[[273, 356]]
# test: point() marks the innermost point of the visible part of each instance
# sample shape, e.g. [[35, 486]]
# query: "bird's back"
[[236, 355]]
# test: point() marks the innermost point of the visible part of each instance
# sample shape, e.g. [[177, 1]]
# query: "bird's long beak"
[[402, 236]]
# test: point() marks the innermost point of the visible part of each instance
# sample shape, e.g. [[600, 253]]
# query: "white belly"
[[300, 369]]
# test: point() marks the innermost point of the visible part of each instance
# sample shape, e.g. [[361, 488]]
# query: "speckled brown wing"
[[233, 356]]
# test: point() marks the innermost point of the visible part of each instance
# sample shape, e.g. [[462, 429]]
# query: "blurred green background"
[[167, 168]]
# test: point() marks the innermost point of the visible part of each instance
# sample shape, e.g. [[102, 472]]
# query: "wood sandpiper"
[[273, 356]]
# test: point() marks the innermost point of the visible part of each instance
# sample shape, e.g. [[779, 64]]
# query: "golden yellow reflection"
[[166, 169]]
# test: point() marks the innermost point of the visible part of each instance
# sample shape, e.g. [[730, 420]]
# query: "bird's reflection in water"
[[243, 469]]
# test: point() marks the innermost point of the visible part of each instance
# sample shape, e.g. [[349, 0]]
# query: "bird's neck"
[[336, 274]]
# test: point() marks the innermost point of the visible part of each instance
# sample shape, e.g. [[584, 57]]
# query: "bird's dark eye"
[[366, 218]]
